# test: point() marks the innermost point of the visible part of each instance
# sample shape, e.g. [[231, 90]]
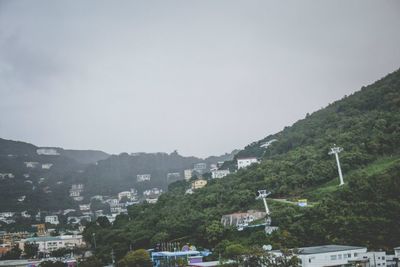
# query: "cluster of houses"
[[44, 240]]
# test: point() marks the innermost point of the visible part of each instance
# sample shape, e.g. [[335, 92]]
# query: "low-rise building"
[[84, 207], [188, 174], [242, 218], [200, 167], [219, 173], [370, 259], [47, 166], [51, 243], [327, 255], [31, 164], [52, 219], [200, 183], [245, 162], [47, 151], [6, 175], [173, 176], [143, 177]]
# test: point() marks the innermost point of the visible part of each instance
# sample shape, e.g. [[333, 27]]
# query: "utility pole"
[[263, 194], [112, 257], [335, 150], [94, 240]]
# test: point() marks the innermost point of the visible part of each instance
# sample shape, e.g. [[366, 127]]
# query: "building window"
[[355, 254], [349, 255], [383, 257], [333, 257], [339, 256]]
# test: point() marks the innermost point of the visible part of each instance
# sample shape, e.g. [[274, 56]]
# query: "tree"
[[61, 252], [235, 251], [91, 261], [214, 232], [13, 254], [103, 222], [31, 250], [137, 258]]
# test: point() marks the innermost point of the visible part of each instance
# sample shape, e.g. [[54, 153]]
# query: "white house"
[[327, 255], [200, 167], [76, 190], [173, 176], [31, 164], [124, 194], [47, 151], [6, 175], [188, 174], [219, 173], [245, 162], [47, 166], [51, 243], [143, 177], [52, 219], [84, 207]]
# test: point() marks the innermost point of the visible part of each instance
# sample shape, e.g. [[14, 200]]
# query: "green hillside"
[[366, 124]]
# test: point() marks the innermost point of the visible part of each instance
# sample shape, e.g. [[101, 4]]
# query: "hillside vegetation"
[[365, 211]]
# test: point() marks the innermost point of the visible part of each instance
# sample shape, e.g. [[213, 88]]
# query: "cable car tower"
[[335, 150]]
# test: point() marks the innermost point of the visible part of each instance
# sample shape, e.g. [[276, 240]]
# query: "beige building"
[[199, 184]]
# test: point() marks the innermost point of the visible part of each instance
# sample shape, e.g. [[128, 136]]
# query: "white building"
[[52, 219], [47, 166], [6, 175], [371, 259], [76, 190], [173, 176], [200, 167], [125, 194], [327, 255], [47, 151], [84, 207], [143, 177], [219, 173], [31, 164], [188, 174], [245, 162], [51, 243]]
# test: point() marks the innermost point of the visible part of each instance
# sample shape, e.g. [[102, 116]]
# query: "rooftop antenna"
[[335, 150]]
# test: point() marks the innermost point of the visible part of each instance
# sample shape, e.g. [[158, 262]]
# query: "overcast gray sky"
[[203, 77]]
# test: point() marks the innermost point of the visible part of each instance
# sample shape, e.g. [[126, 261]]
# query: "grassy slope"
[[379, 166]]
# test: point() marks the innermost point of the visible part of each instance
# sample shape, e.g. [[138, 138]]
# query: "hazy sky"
[[203, 77]]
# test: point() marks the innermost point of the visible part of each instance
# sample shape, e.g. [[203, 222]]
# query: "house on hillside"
[[245, 162], [143, 177], [52, 219], [216, 174], [200, 167], [200, 183], [241, 218], [188, 174], [47, 151]]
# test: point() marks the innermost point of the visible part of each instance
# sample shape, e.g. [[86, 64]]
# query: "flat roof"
[[325, 249]]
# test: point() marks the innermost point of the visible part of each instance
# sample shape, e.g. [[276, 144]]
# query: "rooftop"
[[325, 249]]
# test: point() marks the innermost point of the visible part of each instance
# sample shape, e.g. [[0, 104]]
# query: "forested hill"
[[365, 124], [33, 178], [365, 211]]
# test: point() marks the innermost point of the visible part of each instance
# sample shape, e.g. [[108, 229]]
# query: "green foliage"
[[364, 211], [137, 258], [90, 262], [31, 250], [13, 254]]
